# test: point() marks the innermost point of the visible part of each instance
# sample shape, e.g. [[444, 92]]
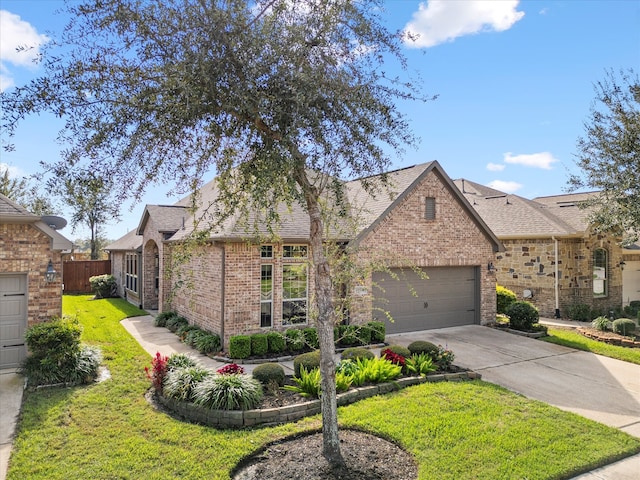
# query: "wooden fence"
[[76, 274]]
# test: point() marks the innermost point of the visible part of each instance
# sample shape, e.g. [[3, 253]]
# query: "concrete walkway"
[[596, 387]]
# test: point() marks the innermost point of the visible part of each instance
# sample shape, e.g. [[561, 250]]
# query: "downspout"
[[555, 275], [223, 299]]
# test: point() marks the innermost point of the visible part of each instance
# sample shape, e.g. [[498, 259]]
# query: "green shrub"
[[350, 336], [269, 372], [601, 323], [505, 298], [522, 316], [104, 286], [57, 339], [311, 337], [444, 358], [539, 327], [356, 352], [207, 342], [579, 312], [338, 333], [181, 382], [276, 341], [346, 367], [295, 339], [422, 346], [375, 370], [378, 331], [259, 344], [183, 331], [364, 334], [176, 322], [192, 336], [228, 392], [420, 364], [162, 317], [180, 360], [307, 383], [633, 309], [624, 326], [399, 350], [240, 346], [309, 360]]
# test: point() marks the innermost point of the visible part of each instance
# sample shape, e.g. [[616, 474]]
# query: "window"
[[600, 273], [294, 251], [430, 208], [266, 295], [294, 294], [131, 272], [266, 251]]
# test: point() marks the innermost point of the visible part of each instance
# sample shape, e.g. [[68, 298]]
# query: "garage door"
[[13, 320], [448, 298]]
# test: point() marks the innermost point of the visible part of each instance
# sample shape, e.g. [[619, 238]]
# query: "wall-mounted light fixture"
[[50, 274], [622, 264], [491, 268]]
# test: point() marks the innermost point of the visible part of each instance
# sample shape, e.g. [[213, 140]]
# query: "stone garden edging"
[[291, 413]]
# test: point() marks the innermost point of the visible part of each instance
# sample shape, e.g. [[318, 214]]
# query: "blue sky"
[[514, 81]]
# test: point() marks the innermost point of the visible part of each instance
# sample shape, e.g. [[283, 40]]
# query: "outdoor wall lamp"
[[622, 264], [491, 268], [50, 273]]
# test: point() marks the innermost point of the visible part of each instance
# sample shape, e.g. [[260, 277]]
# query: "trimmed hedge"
[[624, 326], [309, 361], [505, 298], [259, 344], [356, 352], [522, 316], [276, 342], [269, 372], [399, 350], [311, 337], [378, 331], [295, 339], [421, 346], [240, 346]]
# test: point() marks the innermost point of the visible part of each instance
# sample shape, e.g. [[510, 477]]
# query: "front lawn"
[[572, 339], [454, 430]]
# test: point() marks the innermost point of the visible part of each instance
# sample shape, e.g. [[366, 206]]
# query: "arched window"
[[600, 273]]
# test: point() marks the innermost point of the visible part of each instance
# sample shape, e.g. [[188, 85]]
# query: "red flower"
[[230, 369], [393, 357]]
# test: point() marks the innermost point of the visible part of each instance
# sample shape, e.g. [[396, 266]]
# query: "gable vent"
[[430, 208]]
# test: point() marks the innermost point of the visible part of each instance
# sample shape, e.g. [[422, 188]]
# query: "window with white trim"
[[294, 294], [600, 284], [131, 272], [266, 295]]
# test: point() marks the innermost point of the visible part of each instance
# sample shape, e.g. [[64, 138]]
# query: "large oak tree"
[[279, 98]]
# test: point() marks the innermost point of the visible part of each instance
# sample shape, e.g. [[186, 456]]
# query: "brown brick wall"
[[405, 237], [25, 249]]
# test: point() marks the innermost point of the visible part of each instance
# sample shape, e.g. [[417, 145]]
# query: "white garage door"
[[448, 298], [630, 282], [13, 320]]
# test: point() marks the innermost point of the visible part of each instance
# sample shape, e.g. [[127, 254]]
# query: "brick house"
[[234, 284], [551, 257], [28, 247]]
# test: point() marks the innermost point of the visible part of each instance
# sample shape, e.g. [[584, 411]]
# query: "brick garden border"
[[290, 413]]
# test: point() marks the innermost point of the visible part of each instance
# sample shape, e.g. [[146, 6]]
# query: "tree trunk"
[[325, 324]]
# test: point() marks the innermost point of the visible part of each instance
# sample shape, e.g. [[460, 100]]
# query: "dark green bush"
[[295, 339], [174, 323], [522, 316], [162, 317], [276, 341], [183, 331], [364, 334], [579, 312], [633, 309], [207, 342], [309, 360], [350, 336], [240, 346], [193, 335], [56, 355], [399, 350], [338, 332], [356, 352], [505, 297], [378, 331], [311, 337], [422, 346], [259, 344], [624, 326], [104, 286], [269, 372]]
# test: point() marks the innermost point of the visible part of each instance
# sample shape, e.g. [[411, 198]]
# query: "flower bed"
[[290, 413], [609, 337]]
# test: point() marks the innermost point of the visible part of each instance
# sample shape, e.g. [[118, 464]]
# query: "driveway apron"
[[600, 388]]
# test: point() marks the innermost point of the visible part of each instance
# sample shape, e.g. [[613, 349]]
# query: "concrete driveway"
[[596, 387]]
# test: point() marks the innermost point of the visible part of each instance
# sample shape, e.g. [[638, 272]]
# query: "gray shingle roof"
[[512, 216], [130, 241], [11, 211]]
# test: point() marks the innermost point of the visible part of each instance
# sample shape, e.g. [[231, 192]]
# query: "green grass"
[[455, 430], [572, 339]]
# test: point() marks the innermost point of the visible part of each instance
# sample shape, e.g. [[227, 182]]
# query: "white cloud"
[[15, 33], [495, 167], [537, 160], [507, 187], [14, 172], [440, 21]]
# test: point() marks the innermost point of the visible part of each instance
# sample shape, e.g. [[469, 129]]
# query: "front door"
[[13, 320]]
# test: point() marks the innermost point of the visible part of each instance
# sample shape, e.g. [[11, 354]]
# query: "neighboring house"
[[233, 285], [28, 248], [551, 257]]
